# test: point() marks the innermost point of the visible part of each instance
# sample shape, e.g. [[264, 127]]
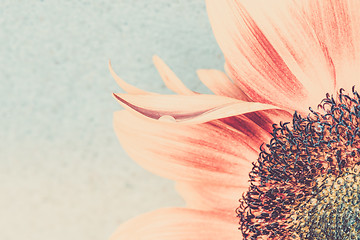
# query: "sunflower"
[[274, 154]]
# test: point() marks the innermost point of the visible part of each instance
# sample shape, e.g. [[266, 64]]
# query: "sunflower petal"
[[214, 152], [211, 197], [187, 109], [178, 224], [271, 52], [337, 26], [126, 86], [169, 77], [220, 84]]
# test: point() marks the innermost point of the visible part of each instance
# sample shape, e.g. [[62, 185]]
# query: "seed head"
[[305, 183]]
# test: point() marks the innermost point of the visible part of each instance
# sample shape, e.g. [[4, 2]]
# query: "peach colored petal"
[[169, 77], [271, 52], [187, 109], [337, 26], [220, 84], [126, 86], [214, 152], [179, 224], [211, 197]]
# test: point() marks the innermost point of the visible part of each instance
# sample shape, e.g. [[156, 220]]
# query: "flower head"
[[263, 137], [305, 184]]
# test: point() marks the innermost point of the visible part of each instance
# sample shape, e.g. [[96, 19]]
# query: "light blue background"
[[63, 174]]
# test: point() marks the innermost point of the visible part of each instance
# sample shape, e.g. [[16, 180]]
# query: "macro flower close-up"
[[274, 152]]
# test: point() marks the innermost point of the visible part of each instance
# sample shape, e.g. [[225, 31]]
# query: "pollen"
[[305, 183]]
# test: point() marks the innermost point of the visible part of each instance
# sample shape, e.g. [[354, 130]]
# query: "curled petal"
[[169, 77], [126, 86], [179, 224], [217, 152], [187, 109], [220, 84]]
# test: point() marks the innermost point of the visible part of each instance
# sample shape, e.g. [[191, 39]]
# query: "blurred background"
[[63, 174]]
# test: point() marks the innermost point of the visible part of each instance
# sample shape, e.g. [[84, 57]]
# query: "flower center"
[[333, 212], [305, 183]]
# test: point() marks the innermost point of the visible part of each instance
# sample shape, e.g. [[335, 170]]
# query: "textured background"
[[63, 174]]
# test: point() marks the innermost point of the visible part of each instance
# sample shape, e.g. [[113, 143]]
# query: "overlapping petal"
[[219, 152], [178, 224], [220, 84], [272, 52]]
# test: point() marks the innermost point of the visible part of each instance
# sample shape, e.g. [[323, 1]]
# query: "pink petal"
[[337, 26], [169, 77], [126, 86], [211, 197], [271, 52], [220, 84], [187, 109], [215, 152], [179, 224]]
